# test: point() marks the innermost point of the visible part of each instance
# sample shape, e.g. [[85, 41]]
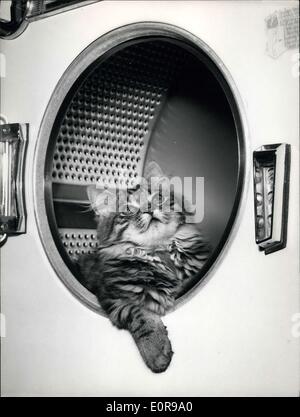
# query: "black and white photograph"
[[149, 201]]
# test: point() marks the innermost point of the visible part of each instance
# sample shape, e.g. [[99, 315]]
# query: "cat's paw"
[[156, 351]]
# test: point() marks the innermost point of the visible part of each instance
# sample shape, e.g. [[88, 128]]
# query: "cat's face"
[[148, 215]]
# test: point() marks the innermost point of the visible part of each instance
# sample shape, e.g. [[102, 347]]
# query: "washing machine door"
[[153, 98], [201, 111]]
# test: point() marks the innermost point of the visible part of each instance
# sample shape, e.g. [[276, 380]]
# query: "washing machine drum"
[[149, 100]]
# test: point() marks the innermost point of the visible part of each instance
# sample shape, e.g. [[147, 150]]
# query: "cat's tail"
[[151, 338]]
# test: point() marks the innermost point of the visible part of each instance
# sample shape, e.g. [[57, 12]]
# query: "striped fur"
[[137, 271]]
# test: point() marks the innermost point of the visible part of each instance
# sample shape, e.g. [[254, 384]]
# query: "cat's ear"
[[92, 193], [102, 201], [153, 170]]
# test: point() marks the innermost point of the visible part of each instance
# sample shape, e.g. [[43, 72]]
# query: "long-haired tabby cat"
[[142, 258]]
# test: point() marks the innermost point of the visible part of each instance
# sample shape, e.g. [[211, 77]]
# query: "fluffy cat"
[[142, 258]]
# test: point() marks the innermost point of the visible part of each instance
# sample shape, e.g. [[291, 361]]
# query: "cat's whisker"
[[86, 207]]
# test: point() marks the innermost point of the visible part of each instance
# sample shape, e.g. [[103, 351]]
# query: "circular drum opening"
[[154, 95]]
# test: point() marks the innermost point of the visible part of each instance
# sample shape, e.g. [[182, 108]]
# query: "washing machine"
[[95, 90]]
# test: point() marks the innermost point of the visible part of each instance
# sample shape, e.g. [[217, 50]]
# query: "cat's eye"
[[158, 200], [133, 209], [128, 209]]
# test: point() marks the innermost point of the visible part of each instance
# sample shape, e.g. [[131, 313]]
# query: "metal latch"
[[271, 166], [13, 140]]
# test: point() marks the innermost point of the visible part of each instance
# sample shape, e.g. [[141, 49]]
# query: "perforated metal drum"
[[152, 96], [105, 132]]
